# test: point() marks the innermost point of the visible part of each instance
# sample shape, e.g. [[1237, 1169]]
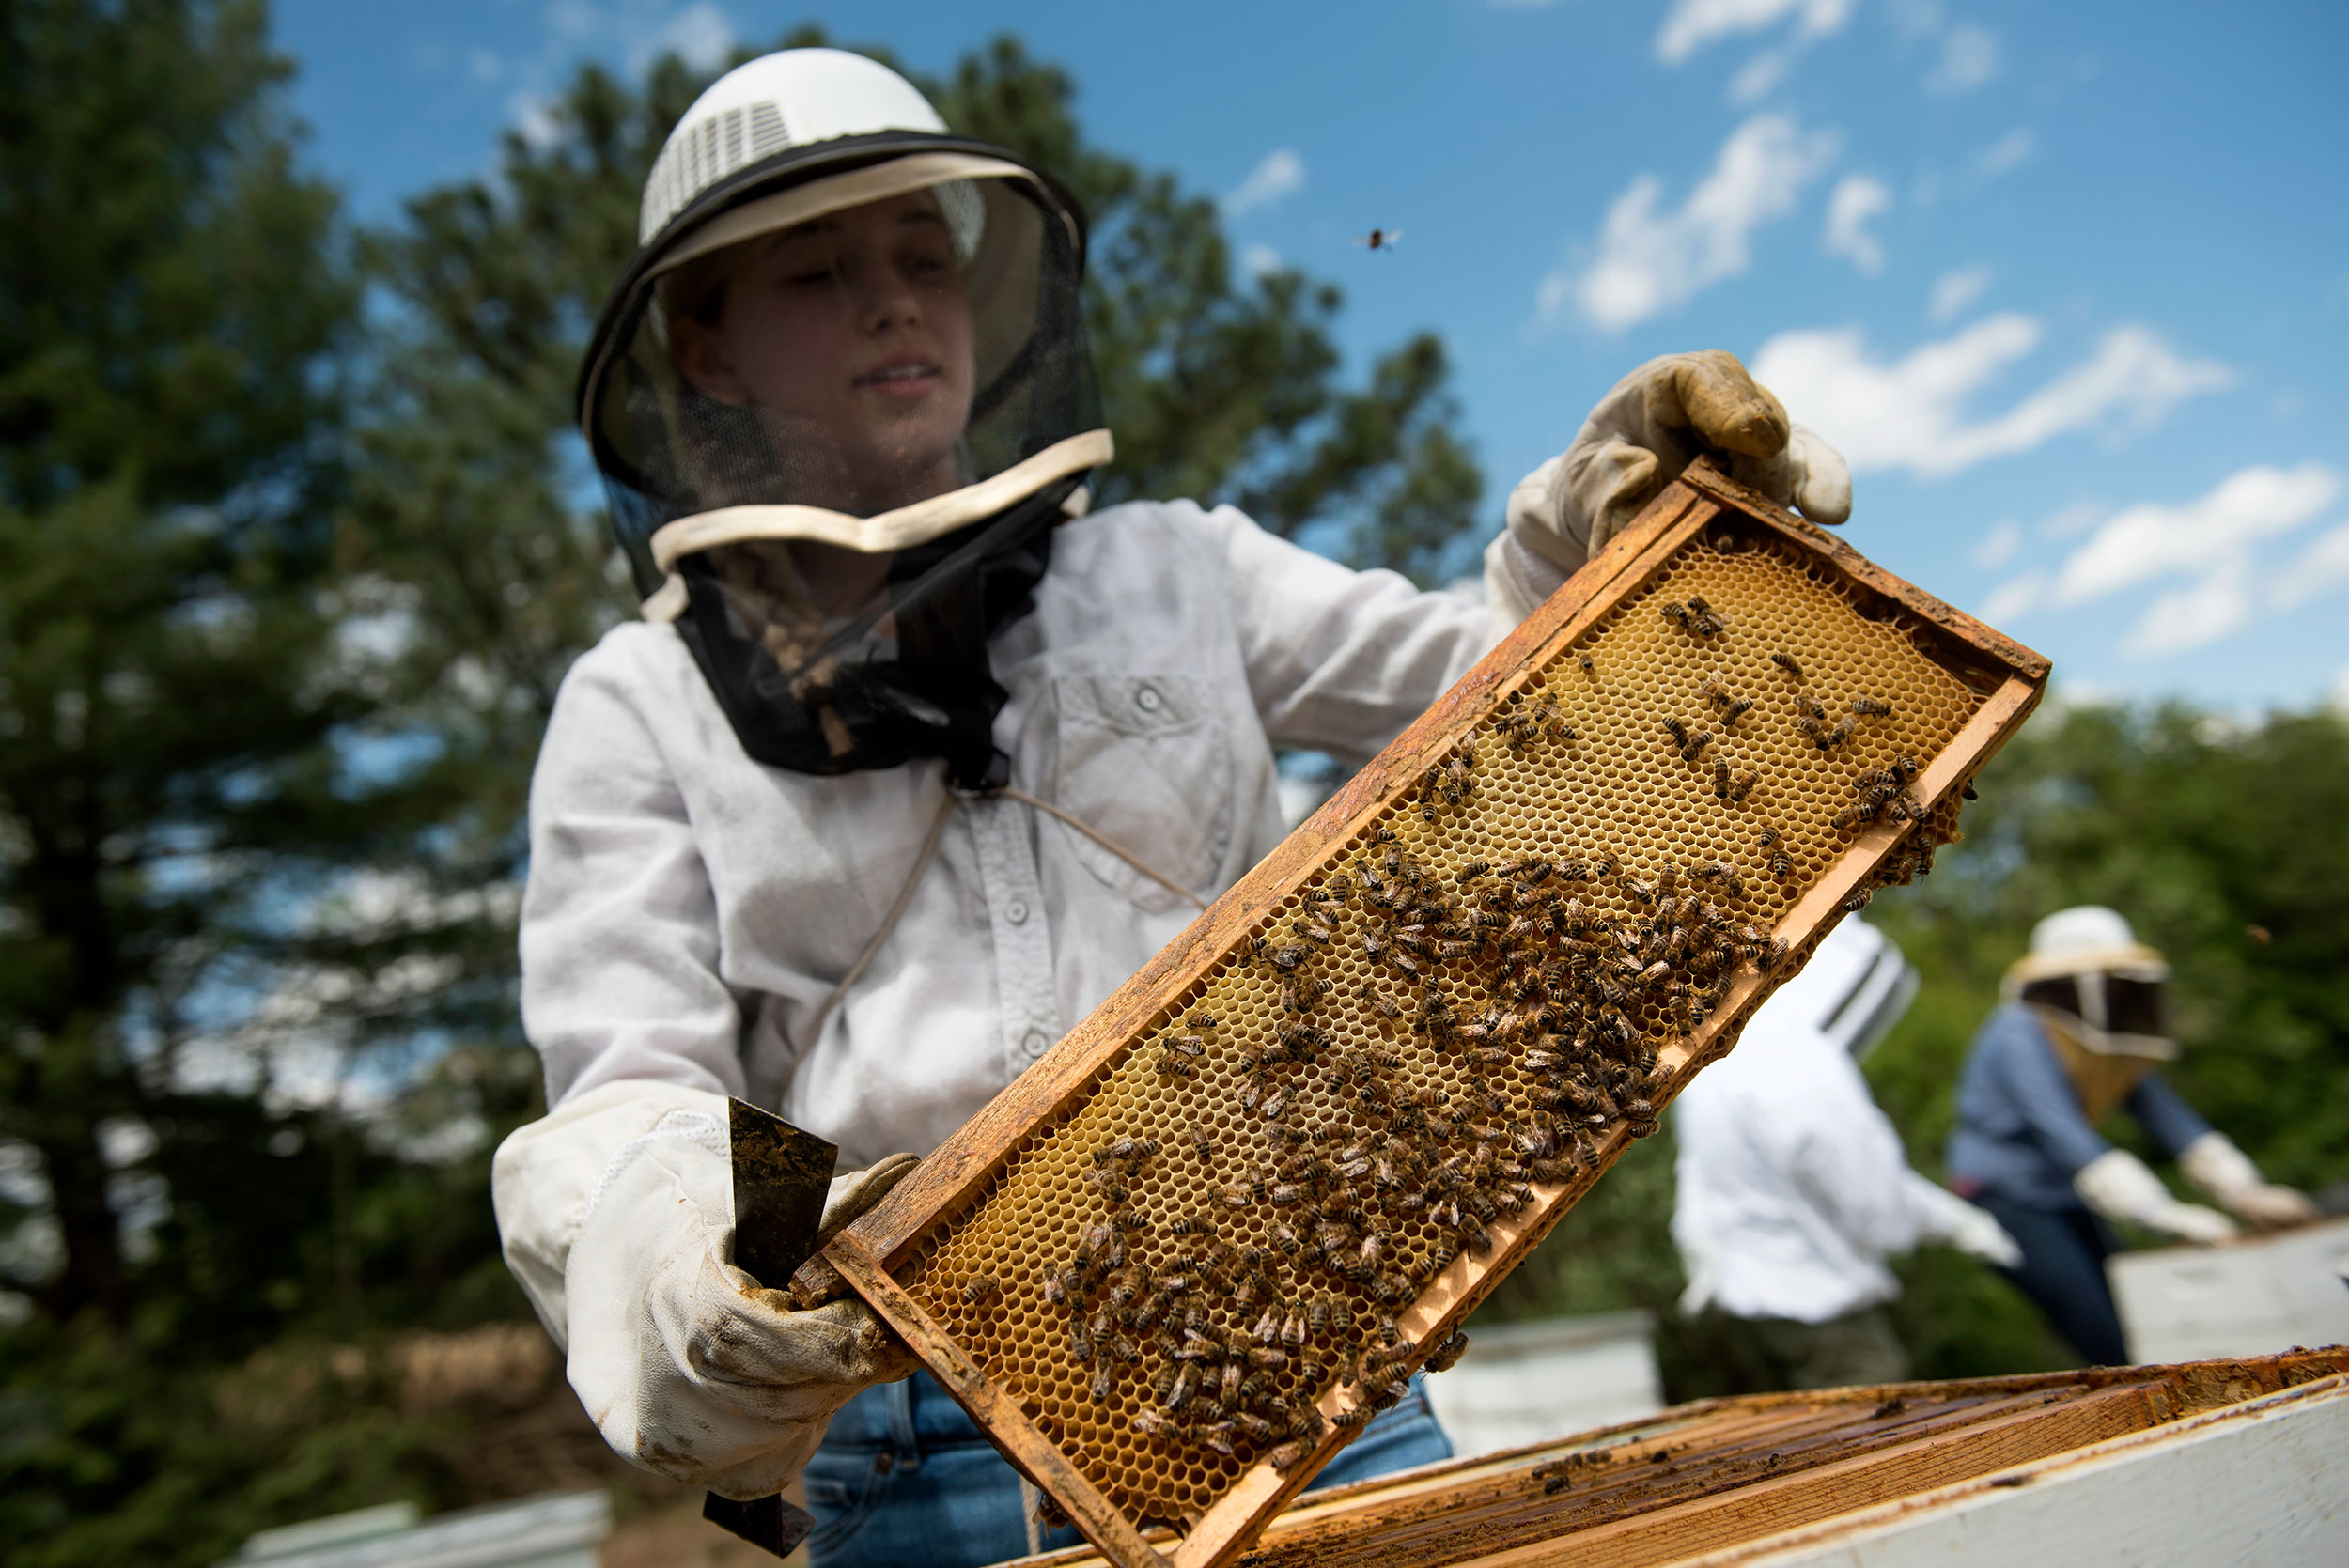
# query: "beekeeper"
[[1791, 1187], [2084, 1023], [912, 760]]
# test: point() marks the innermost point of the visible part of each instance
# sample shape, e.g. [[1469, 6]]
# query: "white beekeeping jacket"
[[1792, 1185], [688, 911]]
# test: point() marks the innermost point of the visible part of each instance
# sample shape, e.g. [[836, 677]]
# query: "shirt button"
[[1147, 699], [1035, 1044], [1016, 912]]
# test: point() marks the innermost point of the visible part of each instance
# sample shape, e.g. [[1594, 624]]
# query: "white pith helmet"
[[2087, 939], [779, 100]]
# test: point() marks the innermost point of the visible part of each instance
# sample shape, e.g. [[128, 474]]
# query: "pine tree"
[[172, 308]]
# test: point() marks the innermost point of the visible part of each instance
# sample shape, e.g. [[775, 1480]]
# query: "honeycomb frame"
[[1126, 1069]]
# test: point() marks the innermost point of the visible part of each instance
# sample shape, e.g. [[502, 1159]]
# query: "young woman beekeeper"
[[843, 407]]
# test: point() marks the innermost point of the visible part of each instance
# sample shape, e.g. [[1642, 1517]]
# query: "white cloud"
[[1952, 291], [1998, 547], [1856, 201], [2017, 597], [1693, 24], [700, 35], [1969, 58], [1649, 260], [485, 64], [2139, 544], [2217, 604], [534, 119], [2009, 152], [1280, 175], [2318, 569], [1256, 261], [1912, 413], [1757, 76]]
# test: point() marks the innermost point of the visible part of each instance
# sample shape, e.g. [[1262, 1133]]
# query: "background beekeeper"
[[909, 762], [1791, 1187], [2085, 1018]]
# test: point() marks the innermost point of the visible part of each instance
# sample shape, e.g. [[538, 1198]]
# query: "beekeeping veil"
[[2103, 999], [840, 399]]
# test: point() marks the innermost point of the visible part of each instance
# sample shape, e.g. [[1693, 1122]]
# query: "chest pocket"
[[1144, 760]]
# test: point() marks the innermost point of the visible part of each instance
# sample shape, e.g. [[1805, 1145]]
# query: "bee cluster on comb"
[[1282, 1166]]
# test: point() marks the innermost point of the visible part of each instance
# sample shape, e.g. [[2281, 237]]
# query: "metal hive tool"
[[1173, 1267]]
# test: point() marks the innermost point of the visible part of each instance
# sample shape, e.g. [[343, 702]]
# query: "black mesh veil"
[[839, 404]]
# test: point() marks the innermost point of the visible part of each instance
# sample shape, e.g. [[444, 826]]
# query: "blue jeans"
[[2063, 1273], [904, 1478]]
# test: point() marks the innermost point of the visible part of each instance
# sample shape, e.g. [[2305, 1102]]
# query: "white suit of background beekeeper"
[[843, 407]]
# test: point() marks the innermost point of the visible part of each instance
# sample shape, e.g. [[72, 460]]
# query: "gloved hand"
[[1944, 1216], [1644, 432], [2212, 1163], [617, 1216], [2119, 1186]]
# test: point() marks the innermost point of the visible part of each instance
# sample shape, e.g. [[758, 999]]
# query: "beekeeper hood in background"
[[2082, 1031], [1792, 1188], [912, 760]]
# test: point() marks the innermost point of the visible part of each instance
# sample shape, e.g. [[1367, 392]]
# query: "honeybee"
[[1586, 662], [1702, 618], [1152, 1425], [1286, 1457], [1782, 864], [1677, 613], [1104, 1376], [1179, 1392], [1786, 662], [1696, 743], [1678, 731], [1872, 707], [1317, 934], [1857, 902], [1836, 737], [1720, 777], [1204, 1147], [1737, 710], [1742, 786]]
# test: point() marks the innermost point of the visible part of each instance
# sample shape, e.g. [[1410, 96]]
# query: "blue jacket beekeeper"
[[2083, 1031], [843, 407]]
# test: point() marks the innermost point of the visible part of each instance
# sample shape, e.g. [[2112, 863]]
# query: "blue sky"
[[2070, 284]]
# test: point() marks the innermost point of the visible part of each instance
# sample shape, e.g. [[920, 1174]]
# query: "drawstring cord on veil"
[[921, 862]]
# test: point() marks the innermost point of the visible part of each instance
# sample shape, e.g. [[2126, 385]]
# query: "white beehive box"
[[2251, 1297]]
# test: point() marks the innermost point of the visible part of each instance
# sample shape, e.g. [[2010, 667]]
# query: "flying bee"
[[1380, 239], [1872, 707]]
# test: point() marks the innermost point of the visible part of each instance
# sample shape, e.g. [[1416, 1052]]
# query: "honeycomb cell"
[[1439, 1026]]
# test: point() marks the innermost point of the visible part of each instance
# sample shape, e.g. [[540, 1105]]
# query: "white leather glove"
[[1943, 1216], [2212, 1163], [2119, 1186], [616, 1212], [1644, 432]]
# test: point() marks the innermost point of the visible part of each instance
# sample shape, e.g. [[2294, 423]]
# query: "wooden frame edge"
[[993, 1406]]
